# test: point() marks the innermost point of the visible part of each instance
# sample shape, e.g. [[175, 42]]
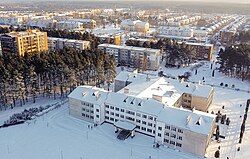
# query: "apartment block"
[[30, 41], [60, 43], [136, 57], [137, 25]]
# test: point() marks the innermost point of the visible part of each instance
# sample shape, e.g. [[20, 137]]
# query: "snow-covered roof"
[[125, 125], [135, 104], [195, 121], [148, 50], [89, 94], [170, 90]]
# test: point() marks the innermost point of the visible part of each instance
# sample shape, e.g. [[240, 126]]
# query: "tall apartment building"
[[30, 41], [60, 43], [130, 109], [136, 57]]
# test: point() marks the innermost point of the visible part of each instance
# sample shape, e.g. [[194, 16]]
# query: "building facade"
[[136, 57], [60, 43], [30, 41]]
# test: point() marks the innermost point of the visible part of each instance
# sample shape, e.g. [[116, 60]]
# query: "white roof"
[[195, 121], [130, 48], [89, 94], [125, 125], [135, 104]]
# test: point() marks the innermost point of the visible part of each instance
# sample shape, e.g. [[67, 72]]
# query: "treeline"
[[244, 36], [51, 74], [235, 61], [176, 54]]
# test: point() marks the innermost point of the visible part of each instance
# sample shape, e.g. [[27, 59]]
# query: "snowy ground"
[[58, 135]]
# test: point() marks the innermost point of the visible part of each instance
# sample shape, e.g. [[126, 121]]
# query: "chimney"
[[126, 90]]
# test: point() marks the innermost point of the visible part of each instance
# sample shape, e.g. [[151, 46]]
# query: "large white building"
[[136, 57], [132, 110], [60, 43]]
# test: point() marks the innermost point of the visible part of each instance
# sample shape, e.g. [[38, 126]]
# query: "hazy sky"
[[228, 1]]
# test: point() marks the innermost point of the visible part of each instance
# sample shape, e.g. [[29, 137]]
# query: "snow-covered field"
[[58, 135]]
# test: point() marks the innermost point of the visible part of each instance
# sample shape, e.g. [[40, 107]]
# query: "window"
[[153, 131], [138, 121], [122, 116], [91, 117], [178, 144], [117, 109], [92, 106], [138, 114], [138, 127], [107, 112], [87, 115], [97, 110], [87, 110], [97, 116], [83, 114], [159, 128], [111, 107], [116, 114], [112, 113], [150, 124], [172, 142], [149, 130], [173, 136], [83, 109], [112, 119], [106, 117], [150, 117], [116, 120], [180, 131], [143, 128], [144, 122], [168, 127], [166, 140], [166, 133], [173, 129], [122, 110], [159, 134], [179, 137], [144, 116], [107, 106], [91, 111]]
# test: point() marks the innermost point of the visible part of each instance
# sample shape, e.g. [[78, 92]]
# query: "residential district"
[[164, 75]]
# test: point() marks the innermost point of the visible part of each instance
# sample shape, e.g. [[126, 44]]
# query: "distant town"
[[124, 80]]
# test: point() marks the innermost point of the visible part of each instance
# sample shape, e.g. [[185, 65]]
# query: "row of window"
[[173, 143], [173, 135], [87, 116], [87, 104], [131, 112], [145, 129], [87, 110], [170, 128]]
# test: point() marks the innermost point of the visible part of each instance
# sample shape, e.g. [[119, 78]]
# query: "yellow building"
[[30, 41]]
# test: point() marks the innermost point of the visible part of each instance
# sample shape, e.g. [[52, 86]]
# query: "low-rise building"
[[60, 43], [136, 57], [185, 130]]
